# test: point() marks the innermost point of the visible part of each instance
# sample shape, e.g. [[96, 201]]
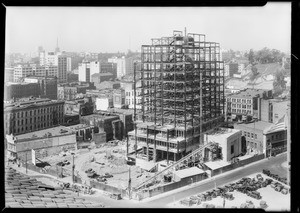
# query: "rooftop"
[[188, 172], [79, 126], [29, 102], [261, 125], [223, 132], [102, 74], [51, 132], [104, 115], [216, 164], [248, 93]]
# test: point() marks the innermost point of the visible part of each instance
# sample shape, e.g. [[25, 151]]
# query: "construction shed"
[[193, 174]]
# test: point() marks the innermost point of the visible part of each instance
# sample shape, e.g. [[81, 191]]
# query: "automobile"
[[202, 197], [89, 170], [284, 191], [60, 164], [107, 175], [254, 194], [227, 196], [116, 196], [279, 187], [259, 177], [263, 204], [269, 181], [229, 188], [266, 172]]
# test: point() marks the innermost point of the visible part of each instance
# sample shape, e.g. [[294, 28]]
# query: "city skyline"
[[81, 29]]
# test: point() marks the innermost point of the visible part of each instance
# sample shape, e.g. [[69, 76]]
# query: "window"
[[248, 133], [232, 149], [255, 136], [252, 135]]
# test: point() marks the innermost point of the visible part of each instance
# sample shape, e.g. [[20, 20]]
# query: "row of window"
[[240, 100], [241, 111], [249, 134], [33, 127], [36, 111], [277, 136], [244, 106]]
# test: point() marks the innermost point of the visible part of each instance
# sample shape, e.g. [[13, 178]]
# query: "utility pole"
[[129, 185], [73, 168], [26, 162]]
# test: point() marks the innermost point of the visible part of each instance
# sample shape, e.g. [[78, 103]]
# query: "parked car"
[[116, 196], [266, 172], [259, 177], [284, 191]]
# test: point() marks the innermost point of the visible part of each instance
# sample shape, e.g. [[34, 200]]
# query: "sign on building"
[[33, 157]]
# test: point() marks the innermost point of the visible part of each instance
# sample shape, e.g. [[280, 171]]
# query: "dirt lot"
[[275, 200], [106, 159]]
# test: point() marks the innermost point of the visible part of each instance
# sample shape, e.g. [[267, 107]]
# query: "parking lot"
[[269, 198]]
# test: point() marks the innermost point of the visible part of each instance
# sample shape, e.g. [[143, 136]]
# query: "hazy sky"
[[112, 29]]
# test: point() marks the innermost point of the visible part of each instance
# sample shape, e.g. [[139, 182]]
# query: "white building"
[[49, 58], [22, 71], [129, 94], [44, 142], [69, 64], [25, 70], [121, 65], [241, 67], [228, 139], [86, 69]]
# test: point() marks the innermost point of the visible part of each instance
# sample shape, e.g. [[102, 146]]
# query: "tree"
[[279, 83], [251, 56]]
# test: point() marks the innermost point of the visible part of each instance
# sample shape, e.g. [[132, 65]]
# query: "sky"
[[113, 29]]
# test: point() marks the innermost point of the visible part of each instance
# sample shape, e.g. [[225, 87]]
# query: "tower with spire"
[[57, 48]]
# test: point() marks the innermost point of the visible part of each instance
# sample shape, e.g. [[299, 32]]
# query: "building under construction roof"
[[182, 95]]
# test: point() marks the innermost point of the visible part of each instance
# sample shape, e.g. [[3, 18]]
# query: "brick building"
[[32, 115]]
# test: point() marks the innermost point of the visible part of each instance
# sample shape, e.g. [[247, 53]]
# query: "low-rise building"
[[32, 114], [84, 132], [118, 98], [228, 139], [254, 135], [69, 91], [246, 103], [110, 124], [47, 85], [98, 78], [130, 97], [44, 142], [16, 91], [276, 137], [81, 106], [273, 109]]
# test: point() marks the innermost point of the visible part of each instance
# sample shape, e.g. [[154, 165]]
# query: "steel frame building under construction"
[[182, 95]]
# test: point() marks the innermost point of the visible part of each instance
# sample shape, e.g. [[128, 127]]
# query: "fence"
[[167, 187], [237, 164], [108, 188]]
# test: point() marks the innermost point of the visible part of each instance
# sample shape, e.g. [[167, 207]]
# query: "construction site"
[[182, 98], [182, 95]]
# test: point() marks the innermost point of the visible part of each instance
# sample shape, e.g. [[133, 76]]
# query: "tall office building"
[[86, 69], [182, 95], [62, 69]]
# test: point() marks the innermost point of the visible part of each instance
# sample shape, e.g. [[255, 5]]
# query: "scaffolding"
[[182, 95]]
